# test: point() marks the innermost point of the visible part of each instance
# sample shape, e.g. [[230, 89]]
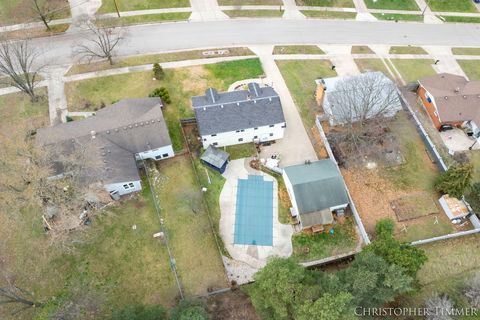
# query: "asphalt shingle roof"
[[317, 186], [214, 156], [230, 111]]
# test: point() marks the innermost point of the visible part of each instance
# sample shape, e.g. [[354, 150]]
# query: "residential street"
[[190, 35]]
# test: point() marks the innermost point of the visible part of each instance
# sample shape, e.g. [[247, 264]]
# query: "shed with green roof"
[[316, 189]]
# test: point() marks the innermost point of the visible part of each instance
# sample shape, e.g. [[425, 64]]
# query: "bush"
[[473, 197], [384, 228], [189, 310], [439, 307], [162, 93], [158, 72], [455, 180], [140, 312], [69, 119], [472, 291]]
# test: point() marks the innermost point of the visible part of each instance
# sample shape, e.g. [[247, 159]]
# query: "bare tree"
[[44, 10], [101, 42], [56, 176], [19, 63], [19, 298], [357, 100]]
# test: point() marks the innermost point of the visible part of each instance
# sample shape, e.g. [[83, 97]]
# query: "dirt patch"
[[414, 206], [231, 305]]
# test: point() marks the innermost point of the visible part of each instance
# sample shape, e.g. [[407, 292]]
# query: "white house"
[[229, 118], [316, 189], [117, 137]]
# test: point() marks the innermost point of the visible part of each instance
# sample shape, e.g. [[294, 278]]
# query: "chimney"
[[457, 90], [93, 133]]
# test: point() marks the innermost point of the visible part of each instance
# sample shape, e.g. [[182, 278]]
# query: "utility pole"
[[116, 7]]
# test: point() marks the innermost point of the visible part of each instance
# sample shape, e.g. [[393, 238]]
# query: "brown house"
[[451, 100]]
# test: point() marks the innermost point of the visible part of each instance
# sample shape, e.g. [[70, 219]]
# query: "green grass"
[[398, 17], [414, 69], [229, 72], [308, 247], [372, 65], [162, 57], [248, 2], [425, 228], [240, 151], [15, 107], [460, 19], [409, 5], [151, 18], [188, 229], [407, 50], [19, 11], [455, 6], [329, 14], [297, 50], [300, 78], [449, 264], [253, 13], [326, 3], [132, 5], [466, 51], [361, 50], [182, 84], [471, 68]]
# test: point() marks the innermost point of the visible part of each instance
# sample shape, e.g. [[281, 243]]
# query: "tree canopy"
[[456, 180], [189, 309]]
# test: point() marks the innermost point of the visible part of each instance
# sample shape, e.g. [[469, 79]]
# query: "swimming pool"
[[254, 212]]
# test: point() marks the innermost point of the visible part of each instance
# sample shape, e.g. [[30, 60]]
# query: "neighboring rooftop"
[[237, 110], [456, 98], [113, 136], [317, 186]]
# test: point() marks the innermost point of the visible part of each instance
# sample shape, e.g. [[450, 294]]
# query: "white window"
[[126, 187], [271, 134], [131, 185]]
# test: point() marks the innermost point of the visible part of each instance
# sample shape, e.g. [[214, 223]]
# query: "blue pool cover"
[[254, 215]]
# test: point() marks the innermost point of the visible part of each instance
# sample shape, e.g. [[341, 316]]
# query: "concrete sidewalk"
[[206, 10]]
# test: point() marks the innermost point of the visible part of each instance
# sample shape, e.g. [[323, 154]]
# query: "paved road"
[[189, 35]]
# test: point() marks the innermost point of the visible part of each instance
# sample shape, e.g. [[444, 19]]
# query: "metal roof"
[[215, 157]]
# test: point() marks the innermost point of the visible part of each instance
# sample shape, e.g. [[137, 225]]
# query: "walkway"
[[291, 10], [363, 14], [296, 140], [428, 15], [447, 62], [206, 10], [57, 100], [81, 11]]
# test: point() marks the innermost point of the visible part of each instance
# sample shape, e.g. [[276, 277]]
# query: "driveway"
[[457, 140], [295, 147]]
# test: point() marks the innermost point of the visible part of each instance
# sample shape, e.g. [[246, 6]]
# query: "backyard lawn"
[[131, 5], [456, 6], [297, 50], [326, 3], [240, 151], [411, 70], [182, 84], [324, 14], [407, 50], [188, 228], [307, 247], [409, 5], [300, 77], [471, 68], [449, 264]]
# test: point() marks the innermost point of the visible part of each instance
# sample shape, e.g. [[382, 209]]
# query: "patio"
[[457, 140]]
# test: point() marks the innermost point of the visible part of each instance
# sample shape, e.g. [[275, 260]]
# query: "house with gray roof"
[[316, 189], [116, 137], [229, 118]]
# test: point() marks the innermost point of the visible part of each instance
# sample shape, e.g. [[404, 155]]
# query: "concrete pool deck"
[[249, 257]]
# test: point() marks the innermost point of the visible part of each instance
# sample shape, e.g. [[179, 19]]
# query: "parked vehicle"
[[446, 127]]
